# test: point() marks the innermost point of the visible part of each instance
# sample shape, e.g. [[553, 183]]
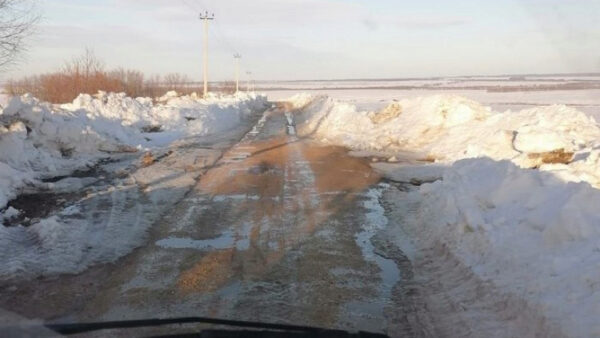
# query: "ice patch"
[[375, 221], [226, 240]]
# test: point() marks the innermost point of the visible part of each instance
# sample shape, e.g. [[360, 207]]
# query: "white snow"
[[446, 128], [39, 139], [376, 94], [527, 231], [527, 223]]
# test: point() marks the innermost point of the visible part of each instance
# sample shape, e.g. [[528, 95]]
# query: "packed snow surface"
[[513, 195]]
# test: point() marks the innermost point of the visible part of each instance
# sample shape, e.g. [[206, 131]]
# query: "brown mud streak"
[[337, 177]]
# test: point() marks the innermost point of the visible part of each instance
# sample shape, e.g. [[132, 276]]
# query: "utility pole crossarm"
[[205, 18]]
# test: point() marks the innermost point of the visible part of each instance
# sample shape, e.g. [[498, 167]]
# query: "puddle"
[[390, 274], [371, 312], [235, 197], [224, 241], [290, 125], [228, 239], [263, 167], [37, 206], [376, 220]]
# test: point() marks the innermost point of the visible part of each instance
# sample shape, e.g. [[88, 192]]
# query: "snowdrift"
[[530, 233], [39, 140], [447, 128], [514, 195]]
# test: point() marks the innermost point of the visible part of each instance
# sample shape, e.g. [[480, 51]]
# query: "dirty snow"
[[447, 128], [529, 232], [513, 195], [43, 141]]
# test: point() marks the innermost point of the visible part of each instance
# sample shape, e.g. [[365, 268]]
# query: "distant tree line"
[[87, 74]]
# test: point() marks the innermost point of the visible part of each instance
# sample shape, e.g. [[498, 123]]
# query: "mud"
[[280, 229]]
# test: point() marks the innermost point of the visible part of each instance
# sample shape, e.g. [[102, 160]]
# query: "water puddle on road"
[[389, 271], [376, 220], [226, 240], [290, 124], [390, 274]]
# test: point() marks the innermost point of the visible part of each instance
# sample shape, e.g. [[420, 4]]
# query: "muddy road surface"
[[281, 229]]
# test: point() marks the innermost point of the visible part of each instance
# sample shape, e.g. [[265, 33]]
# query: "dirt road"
[[281, 229]]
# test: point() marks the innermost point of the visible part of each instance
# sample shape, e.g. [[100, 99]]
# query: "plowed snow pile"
[[516, 198], [39, 140]]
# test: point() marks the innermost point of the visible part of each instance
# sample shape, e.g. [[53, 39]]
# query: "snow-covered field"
[[512, 195], [482, 82], [42, 145], [489, 91]]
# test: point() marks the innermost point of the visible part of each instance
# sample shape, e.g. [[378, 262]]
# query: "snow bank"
[[514, 195], [175, 117], [446, 128], [38, 139], [527, 231], [408, 124]]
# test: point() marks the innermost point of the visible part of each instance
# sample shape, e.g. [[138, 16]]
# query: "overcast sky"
[[324, 39]]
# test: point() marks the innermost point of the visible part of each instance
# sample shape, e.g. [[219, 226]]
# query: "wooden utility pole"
[[205, 18]]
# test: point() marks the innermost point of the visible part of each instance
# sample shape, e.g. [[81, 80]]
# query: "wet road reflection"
[[276, 194], [277, 231]]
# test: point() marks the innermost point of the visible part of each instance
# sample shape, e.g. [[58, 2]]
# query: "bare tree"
[[85, 65], [17, 19], [176, 81]]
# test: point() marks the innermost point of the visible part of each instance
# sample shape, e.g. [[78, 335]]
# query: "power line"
[[225, 39], [190, 6], [201, 3], [218, 36], [219, 32]]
